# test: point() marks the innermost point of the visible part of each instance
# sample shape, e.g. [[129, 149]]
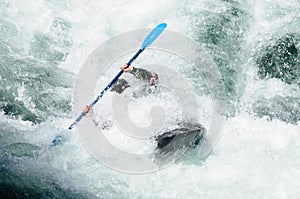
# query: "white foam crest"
[[31, 15], [94, 22], [252, 157]]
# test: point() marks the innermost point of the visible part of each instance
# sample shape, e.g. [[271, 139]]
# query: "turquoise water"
[[255, 45]]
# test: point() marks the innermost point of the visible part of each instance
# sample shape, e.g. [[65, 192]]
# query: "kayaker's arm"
[[141, 74]]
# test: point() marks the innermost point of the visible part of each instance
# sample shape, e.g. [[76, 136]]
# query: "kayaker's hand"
[[126, 70], [154, 79], [88, 109]]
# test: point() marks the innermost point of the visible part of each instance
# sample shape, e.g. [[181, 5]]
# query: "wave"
[[32, 86]]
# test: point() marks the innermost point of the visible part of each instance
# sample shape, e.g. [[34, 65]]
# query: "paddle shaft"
[[151, 37], [83, 114]]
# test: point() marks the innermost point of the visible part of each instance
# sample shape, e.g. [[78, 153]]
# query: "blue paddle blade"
[[153, 35], [57, 140]]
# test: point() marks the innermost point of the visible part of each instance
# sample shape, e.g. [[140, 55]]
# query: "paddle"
[[151, 37]]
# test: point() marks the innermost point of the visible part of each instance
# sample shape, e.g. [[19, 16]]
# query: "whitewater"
[[255, 46]]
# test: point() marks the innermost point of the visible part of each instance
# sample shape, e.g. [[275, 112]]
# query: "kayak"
[[186, 136]]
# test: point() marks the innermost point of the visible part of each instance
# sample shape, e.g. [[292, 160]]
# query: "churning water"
[[255, 45]]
